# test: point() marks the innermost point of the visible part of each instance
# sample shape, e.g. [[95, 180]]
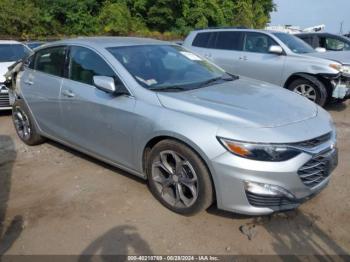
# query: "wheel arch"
[[183, 140], [311, 78]]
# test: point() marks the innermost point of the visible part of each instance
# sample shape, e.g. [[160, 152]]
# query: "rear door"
[[256, 61], [226, 50], [41, 83], [221, 47], [96, 121]]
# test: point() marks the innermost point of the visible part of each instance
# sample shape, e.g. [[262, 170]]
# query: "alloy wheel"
[[175, 179], [22, 123], [306, 90]]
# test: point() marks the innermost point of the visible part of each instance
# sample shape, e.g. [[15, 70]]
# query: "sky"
[[306, 13]]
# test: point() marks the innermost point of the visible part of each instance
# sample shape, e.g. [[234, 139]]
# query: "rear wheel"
[[24, 124], [312, 90], [178, 178]]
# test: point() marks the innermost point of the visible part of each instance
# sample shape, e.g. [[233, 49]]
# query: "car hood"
[[3, 69], [342, 57], [243, 102]]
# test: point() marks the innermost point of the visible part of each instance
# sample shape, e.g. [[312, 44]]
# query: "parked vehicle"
[[196, 133], [10, 52], [275, 57], [34, 44], [330, 42]]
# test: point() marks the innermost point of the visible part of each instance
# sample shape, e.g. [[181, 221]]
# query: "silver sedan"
[[197, 134]]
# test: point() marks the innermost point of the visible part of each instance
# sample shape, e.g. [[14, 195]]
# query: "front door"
[[96, 121], [256, 62]]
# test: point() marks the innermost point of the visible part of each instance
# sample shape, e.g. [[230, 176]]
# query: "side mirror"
[[320, 49], [105, 83], [276, 49]]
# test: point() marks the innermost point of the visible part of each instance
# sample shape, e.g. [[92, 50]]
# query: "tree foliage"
[[52, 18]]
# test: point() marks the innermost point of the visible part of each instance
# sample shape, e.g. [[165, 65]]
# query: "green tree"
[[28, 18], [19, 18], [115, 19]]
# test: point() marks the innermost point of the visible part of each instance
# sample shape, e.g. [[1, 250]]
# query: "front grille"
[[317, 169], [268, 201], [4, 100], [314, 142]]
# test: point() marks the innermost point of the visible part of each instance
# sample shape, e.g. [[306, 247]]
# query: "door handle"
[[28, 82], [68, 93], [244, 58], [207, 55]]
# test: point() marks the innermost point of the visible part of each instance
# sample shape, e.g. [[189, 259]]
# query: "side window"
[[257, 43], [229, 40], [201, 40], [50, 61], [334, 44], [84, 64], [307, 39], [212, 40]]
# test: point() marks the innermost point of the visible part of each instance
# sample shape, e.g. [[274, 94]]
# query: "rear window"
[[226, 40], [51, 60], [13, 52], [307, 39], [201, 40]]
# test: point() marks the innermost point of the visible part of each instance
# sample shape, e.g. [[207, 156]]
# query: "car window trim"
[[260, 33], [47, 48], [231, 31], [103, 58]]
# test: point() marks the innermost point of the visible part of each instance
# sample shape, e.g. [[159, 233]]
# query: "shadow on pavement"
[[336, 107], [5, 113], [95, 161], [10, 233], [295, 232], [117, 241]]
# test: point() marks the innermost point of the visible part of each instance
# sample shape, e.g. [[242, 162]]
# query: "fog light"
[[267, 190]]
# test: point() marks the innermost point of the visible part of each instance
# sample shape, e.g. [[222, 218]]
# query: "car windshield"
[[13, 52], [167, 67], [294, 43]]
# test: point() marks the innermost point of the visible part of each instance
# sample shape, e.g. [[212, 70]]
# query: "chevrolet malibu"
[[198, 135]]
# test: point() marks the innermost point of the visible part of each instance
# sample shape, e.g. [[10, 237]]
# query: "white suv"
[[278, 58], [10, 52]]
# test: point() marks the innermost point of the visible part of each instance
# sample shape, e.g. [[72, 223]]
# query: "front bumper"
[[233, 173]]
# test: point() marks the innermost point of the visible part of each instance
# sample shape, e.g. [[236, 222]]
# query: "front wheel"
[[178, 178], [314, 91]]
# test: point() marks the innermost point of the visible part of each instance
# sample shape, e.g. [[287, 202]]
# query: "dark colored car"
[[331, 42]]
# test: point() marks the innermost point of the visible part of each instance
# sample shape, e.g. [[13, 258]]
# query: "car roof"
[[216, 29], [104, 42], [317, 33], [9, 42]]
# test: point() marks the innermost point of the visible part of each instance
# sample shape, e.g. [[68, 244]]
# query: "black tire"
[[321, 94], [203, 185], [31, 137]]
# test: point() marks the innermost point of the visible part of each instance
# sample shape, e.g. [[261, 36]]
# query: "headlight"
[[345, 69], [260, 152], [336, 66]]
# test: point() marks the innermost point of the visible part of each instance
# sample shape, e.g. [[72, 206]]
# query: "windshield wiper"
[[226, 77], [167, 88]]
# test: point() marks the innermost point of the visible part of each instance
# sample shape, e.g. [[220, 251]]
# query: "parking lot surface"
[[54, 200]]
